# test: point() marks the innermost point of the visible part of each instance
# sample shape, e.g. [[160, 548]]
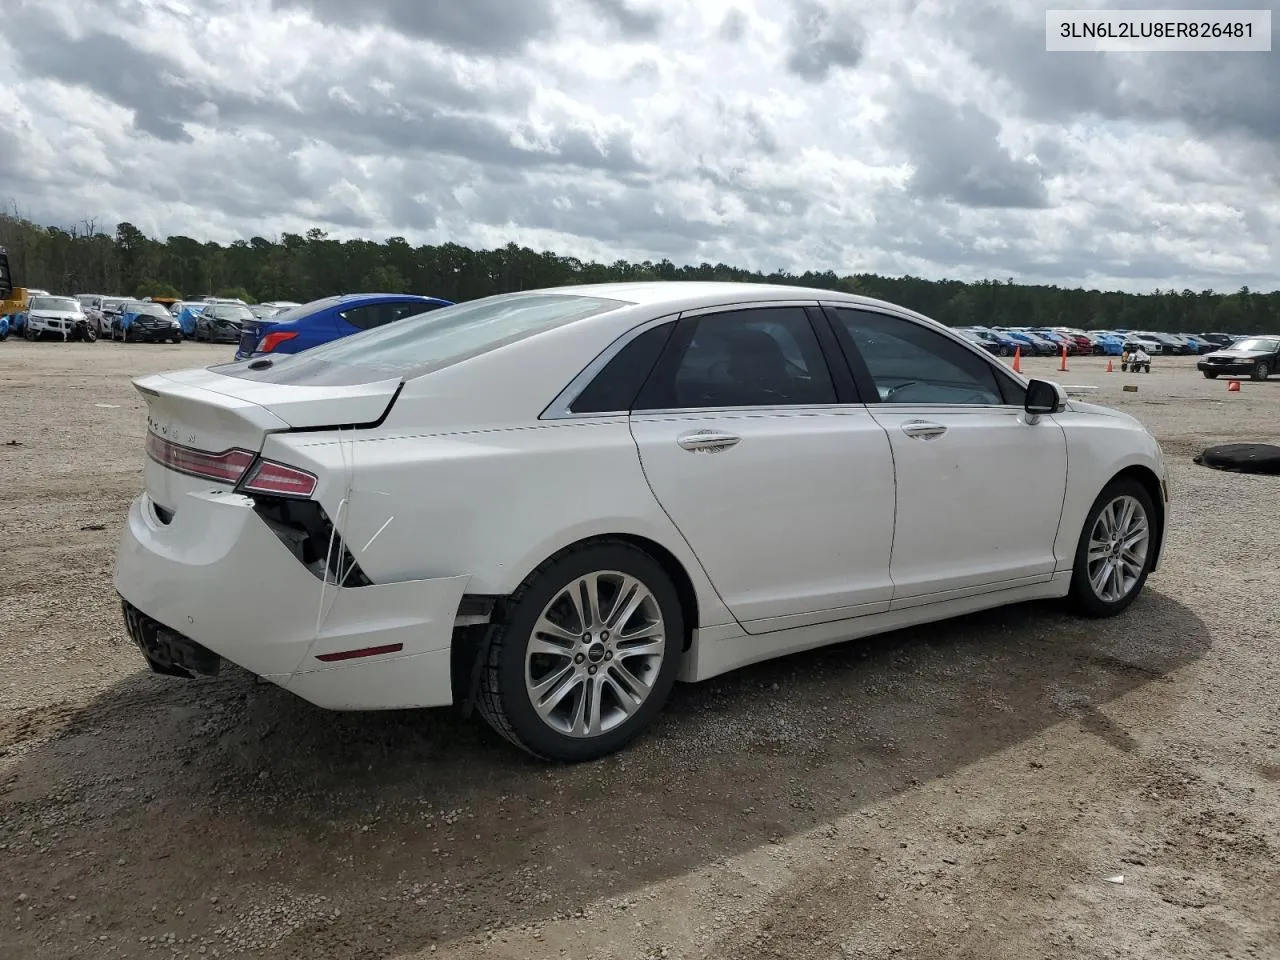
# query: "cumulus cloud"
[[937, 138]]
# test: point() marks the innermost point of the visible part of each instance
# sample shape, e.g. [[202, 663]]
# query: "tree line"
[[303, 267]]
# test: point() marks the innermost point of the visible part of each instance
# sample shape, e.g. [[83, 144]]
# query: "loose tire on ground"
[[505, 697], [1242, 458], [1084, 596]]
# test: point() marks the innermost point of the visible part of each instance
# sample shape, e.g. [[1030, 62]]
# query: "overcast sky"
[[930, 137]]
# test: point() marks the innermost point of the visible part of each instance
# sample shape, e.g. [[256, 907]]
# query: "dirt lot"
[[963, 790]]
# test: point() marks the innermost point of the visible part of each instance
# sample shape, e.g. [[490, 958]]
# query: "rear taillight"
[[273, 340], [267, 476], [226, 467]]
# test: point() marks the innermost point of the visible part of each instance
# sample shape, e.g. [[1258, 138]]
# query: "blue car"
[[1109, 344], [330, 318]]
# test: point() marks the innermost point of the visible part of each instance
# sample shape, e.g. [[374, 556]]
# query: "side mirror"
[[1044, 397]]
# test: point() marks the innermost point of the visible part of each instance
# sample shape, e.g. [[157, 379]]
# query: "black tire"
[[1082, 597], [503, 699], [1210, 375], [89, 335], [1261, 370], [1005, 351]]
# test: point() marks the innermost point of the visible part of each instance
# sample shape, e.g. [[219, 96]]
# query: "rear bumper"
[[219, 580]]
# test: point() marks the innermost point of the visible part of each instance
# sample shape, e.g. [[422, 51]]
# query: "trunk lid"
[[213, 413], [250, 334]]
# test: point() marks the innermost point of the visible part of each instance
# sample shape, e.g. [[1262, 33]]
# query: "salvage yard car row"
[[286, 327]]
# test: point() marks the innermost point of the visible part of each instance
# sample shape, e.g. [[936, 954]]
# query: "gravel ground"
[[961, 790]]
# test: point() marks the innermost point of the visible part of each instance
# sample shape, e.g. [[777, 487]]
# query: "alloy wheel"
[[595, 654], [1118, 546]]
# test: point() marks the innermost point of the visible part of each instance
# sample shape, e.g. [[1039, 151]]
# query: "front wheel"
[[1210, 375], [1115, 551], [89, 333], [1261, 371], [588, 654]]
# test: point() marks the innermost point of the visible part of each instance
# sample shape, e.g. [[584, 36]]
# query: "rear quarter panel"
[[491, 504]]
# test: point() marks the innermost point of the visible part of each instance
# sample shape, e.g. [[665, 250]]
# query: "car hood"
[[56, 315], [1239, 354]]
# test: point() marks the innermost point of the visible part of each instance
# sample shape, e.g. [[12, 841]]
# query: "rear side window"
[[760, 357], [616, 386]]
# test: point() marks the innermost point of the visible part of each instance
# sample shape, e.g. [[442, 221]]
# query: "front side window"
[[761, 357], [910, 363]]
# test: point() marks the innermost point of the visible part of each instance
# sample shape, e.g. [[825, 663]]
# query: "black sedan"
[[144, 321], [222, 322], [1256, 357]]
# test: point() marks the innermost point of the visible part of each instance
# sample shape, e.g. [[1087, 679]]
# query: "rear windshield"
[[417, 345]]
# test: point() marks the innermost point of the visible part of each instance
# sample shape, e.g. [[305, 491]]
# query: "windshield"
[[147, 310], [1264, 344], [231, 312], [61, 304], [428, 341]]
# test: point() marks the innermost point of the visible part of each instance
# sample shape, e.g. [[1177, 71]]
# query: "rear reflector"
[[226, 467], [273, 340], [355, 654], [280, 479]]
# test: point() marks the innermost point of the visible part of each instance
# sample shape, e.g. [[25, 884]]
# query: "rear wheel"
[[1115, 550], [588, 654]]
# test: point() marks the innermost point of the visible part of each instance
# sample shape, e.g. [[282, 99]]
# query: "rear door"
[[777, 477], [979, 489]]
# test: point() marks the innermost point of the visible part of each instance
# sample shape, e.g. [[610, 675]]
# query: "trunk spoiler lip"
[[139, 384]]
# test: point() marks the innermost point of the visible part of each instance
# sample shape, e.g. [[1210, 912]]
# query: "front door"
[[979, 488], [785, 495]]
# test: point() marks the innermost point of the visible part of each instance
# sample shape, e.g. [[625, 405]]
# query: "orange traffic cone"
[[1233, 386], [1017, 359], [1063, 365], [1110, 367]]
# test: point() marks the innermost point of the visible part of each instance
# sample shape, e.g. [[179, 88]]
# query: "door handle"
[[708, 440], [923, 429]]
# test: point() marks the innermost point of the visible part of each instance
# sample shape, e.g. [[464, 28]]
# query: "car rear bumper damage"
[[209, 580]]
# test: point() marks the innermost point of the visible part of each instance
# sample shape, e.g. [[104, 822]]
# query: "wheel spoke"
[[589, 589], [538, 645], [1099, 578], [547, 631], [1117, 581], [594, 689], [626, 605], [628, 702], [646, 646], [547, 705], [637, 687], [548, 683], [1136, 534], [1098, 550]]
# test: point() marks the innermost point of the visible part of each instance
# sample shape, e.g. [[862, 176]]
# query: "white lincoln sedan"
[[553, 504]]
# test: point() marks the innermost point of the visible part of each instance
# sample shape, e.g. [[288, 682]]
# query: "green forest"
[[84, 259]]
